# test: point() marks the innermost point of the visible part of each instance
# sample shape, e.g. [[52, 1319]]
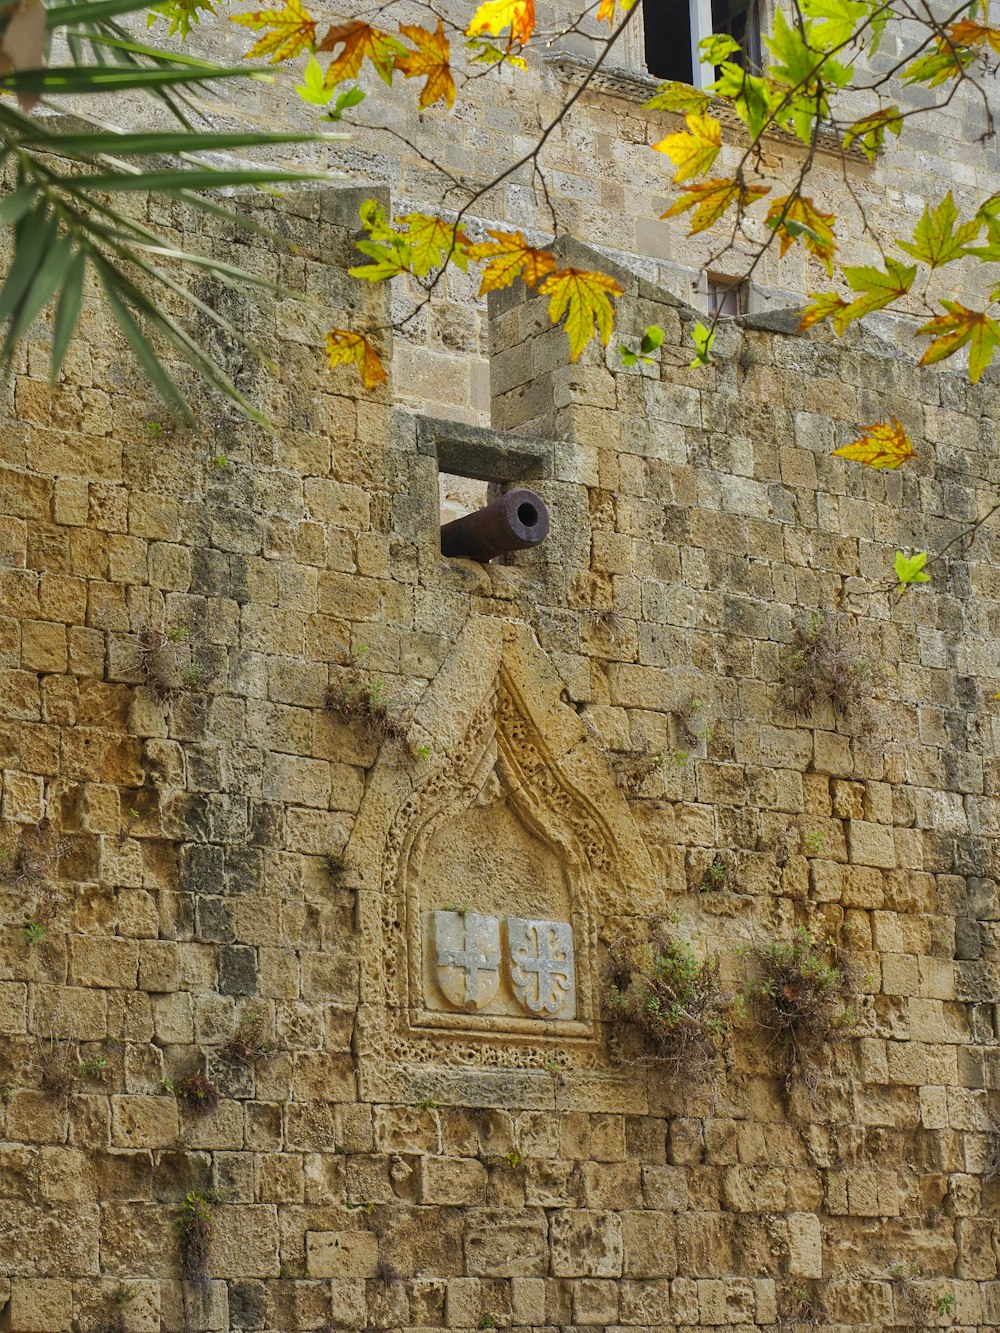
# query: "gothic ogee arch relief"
[[487, 873]]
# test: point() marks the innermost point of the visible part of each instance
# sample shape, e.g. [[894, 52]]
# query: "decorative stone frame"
[[496, 715]]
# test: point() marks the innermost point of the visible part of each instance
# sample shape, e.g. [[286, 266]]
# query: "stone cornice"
[[635, 86]]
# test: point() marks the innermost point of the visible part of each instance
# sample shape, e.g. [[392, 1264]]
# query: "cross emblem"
[[541, 964], [468, 957]]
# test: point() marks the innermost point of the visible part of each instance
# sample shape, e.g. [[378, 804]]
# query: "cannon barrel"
[[515, 522]]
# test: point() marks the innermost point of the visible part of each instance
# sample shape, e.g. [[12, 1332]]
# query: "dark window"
[[740, 19], [667, 29]]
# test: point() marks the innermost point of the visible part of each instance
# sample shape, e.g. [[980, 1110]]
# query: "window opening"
[[672, 30], [668, 39], [458, 495], [739, 19], [726, 297]]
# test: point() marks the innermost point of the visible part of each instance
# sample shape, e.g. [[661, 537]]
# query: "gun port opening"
[[528, 514]]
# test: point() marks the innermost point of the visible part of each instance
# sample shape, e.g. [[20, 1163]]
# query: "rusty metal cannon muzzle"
[[515, 522]]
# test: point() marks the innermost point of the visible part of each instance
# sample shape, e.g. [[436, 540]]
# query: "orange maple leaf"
[[293, 29], [510, 257], [798, 217], [585, 299], [432, 61], [494, 15], [344, 348], [966, 32], [710, 199], [825, 305], [361, 41], [882, 445]]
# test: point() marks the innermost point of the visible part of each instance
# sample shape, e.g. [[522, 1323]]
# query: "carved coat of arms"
[[467, 958], [541, 966]]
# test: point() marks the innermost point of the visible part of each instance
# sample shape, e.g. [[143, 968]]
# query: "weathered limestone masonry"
[[602, 180], [424, 1121]]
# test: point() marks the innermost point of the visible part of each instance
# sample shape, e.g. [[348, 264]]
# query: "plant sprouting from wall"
[[826, 663], [169, 662], [805, 994], [358, 695], [250, 1042], [114, 1320], [194, 1091], [194, 1234], [672, 996]]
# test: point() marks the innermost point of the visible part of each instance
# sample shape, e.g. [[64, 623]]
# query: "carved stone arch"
[[486, 872]]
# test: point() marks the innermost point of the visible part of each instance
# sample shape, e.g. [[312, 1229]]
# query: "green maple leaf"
[[313, 86], [910, 569], [386, 247], [877, 289], [935, 239], [834, 21], [755, 99], [674, 96], [702, 338], [961, 326]]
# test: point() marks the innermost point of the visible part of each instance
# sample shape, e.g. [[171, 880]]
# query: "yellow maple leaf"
[[606, 10], [433, 242], [293, 29], [360, 41], [510, 257], [344, 348], [695, 149], [432, 61], [797, 217], [585, 299], [710, 199], [882, 445], [494, 15]]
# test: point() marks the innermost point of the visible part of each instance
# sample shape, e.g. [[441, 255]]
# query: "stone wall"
[[571, 739]]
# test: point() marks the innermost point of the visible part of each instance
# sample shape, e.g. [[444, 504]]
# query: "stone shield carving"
[[467, 958], [541, 966]]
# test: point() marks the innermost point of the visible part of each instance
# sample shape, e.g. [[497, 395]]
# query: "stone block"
[[454, 1181], [586, 1243], [42, 1305], [341, 1254], [871, 844], [144, 1122], [507, 1245], [805, 1245]]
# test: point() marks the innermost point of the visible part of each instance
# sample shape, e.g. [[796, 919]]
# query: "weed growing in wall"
[[114, 1320], [250, 1041], [195, 1092], [194, 1234], [168, 662], [32, 933], [36, 858], [358, 696], [804, 993], [826, 663], [632, 767], [714, 878], [337, 866], [673, 997], [58, 1066]]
